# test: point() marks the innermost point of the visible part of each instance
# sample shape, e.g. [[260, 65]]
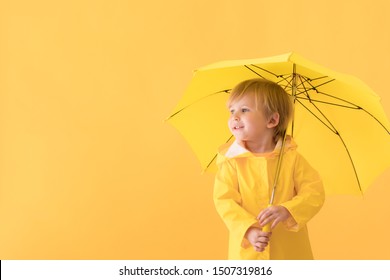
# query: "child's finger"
[[266, 219], [260, 246], [264, 212], [263, 215], [257, 249], [275, 223], [263, 239]]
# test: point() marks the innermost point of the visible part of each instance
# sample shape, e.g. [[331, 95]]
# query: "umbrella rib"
[[314, 79], [329, 103], [306, 91], [282, 77], [312, 87], [211, 161], [303, 80], [258, 74], [215, 156], [372, 116], [335, 131], [331, 127], [352, 163], [338, 98], [320, 85], [354, 107], [265, 70], [287, 80], [308, 81], [196, 101]]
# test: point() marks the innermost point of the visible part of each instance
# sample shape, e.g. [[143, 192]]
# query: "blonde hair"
[[269, 98]]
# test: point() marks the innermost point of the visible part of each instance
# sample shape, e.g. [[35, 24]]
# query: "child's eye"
[[232, 111], [244, 110]]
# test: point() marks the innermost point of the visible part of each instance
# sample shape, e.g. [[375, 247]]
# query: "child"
[[260, 113]]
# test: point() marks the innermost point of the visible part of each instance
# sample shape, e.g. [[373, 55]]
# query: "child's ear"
[[273, 121]]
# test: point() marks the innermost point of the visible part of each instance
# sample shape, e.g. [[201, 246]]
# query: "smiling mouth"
[[238, 127]]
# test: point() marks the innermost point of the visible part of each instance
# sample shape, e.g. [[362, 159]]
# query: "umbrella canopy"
[[339, 123]]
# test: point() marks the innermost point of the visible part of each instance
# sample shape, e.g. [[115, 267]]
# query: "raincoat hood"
[[235, 150]]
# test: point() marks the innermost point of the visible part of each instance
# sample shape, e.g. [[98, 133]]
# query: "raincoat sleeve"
[[227, 200], [309, 198]]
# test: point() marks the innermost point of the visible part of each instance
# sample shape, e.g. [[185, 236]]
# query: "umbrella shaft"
[[278, 167]]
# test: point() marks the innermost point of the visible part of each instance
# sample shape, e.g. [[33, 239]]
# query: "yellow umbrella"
[[339, 123]]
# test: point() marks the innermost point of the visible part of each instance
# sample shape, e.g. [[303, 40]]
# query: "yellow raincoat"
[[242, 189]]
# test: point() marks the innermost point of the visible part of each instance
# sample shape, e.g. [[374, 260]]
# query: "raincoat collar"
[[235, 150]]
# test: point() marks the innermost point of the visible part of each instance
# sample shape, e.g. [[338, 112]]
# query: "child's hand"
[[274, 214], [259, 239]]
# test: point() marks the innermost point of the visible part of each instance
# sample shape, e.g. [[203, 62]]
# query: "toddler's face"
[[246, 122]]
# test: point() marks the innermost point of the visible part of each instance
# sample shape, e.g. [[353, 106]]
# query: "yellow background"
[[88, 168]]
